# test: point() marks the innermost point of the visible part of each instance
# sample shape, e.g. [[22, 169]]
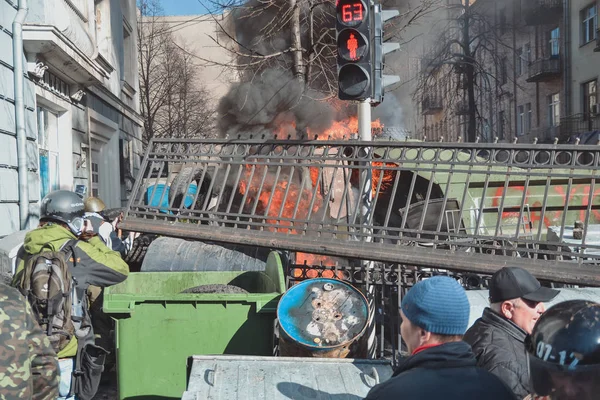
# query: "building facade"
[[537, 78], [82, 119]]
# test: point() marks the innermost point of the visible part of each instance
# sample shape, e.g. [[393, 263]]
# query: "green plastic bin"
[[158, 328]]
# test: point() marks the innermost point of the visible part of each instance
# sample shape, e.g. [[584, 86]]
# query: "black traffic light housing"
[[353, 26], [380, 49]]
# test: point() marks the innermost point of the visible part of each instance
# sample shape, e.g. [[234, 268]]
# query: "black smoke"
[[272, 100]]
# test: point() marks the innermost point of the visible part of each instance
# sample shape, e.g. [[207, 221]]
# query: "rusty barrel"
[[322, 317]]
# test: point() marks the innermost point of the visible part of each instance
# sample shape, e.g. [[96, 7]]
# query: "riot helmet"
[[564, 352], [63, 206], [94, 205]]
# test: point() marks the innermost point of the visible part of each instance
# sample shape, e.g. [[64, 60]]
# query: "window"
[[520, 120], [47, 131], [590, 97], [503, 71], [525, 57], [129, 55], [589, 24], [554, 109], [502, 21], [528, 118], [554, 41], [501, 123], [95, 178]]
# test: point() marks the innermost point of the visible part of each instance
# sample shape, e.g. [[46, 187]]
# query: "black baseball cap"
[[514, 282]]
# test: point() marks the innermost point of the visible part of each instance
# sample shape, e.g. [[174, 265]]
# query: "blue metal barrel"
[[322, 317]]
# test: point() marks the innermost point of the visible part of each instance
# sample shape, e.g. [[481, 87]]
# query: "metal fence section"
[[462, 207], [390, 283]]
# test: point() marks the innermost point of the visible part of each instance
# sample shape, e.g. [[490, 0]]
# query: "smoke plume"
[[272, 101]]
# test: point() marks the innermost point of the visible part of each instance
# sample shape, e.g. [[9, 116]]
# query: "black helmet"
[[564, 351], [64, 206]]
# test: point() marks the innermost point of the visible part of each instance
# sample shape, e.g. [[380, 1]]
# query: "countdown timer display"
[[351, 12]]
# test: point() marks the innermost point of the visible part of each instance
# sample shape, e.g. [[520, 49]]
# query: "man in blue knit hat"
[[435, 315]]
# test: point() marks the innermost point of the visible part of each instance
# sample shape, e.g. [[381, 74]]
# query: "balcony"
[[544, 70], [578, 124], [431, 105], [541, 12], [61, 36], [461, 107]]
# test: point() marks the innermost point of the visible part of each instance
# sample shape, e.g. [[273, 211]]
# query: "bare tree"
[[469, 60], [293, 35], [173, 103]]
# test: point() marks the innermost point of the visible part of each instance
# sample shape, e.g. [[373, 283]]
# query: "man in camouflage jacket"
[[28, 364]]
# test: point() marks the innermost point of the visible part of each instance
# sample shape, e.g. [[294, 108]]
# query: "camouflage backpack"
[[47, 283]]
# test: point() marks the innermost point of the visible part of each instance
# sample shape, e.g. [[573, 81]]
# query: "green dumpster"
[[158, 327]]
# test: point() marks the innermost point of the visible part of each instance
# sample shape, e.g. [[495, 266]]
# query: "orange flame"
[[342, 129], [385, 176], [278, 203]]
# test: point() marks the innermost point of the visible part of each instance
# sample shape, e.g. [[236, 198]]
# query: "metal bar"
[[588, 210], [557, 271], [567, 199]]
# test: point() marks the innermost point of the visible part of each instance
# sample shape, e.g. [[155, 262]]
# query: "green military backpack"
[[47, 283]]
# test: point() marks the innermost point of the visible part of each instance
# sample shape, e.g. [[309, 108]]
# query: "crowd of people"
[[53, 322], [56, 340], [516, 350]]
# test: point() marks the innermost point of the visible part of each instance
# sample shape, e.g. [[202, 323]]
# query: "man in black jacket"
[[498, 337], [435, 315]]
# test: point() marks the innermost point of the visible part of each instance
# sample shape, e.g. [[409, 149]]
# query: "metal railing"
[[541, 12], [541, 70], [431, 104], [460, 207], [577, 124]]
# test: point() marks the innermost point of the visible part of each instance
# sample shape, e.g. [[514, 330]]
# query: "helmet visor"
[[561, 383], [76, 225]]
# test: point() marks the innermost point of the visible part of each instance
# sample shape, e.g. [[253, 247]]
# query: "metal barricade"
[[461, 207]]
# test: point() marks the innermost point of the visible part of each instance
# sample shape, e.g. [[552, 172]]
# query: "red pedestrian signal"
[[352, 45]]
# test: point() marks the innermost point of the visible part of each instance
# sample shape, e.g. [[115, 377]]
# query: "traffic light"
[[353, 26], [380, 49]]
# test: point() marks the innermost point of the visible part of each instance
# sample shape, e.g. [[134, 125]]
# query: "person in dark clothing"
[[435, 315], [498, 337]]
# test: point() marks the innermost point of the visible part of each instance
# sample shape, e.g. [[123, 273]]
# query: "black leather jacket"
[[499, 346]]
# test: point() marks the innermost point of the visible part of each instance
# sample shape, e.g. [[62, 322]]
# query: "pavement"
[[108, 387]]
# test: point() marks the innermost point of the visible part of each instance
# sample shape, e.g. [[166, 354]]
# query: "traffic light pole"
[[364, 133], [364, 120]]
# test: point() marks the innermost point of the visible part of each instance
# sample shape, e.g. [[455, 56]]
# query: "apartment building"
[[421, 101], [537, 78], [69, 106]]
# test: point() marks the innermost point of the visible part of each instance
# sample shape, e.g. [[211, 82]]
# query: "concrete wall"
[[115, 96], [9, 208], [196, 33], [585, 63]]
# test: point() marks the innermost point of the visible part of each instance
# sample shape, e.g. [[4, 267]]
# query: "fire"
[[274, 203], [342, 129], [386, 176], [279, 203]]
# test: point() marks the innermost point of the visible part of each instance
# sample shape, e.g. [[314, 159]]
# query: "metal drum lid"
[[323, 313]]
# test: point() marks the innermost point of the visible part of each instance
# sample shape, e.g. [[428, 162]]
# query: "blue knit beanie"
[[438, 305]]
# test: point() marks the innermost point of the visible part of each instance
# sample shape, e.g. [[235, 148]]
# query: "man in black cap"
[[498, 337]]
